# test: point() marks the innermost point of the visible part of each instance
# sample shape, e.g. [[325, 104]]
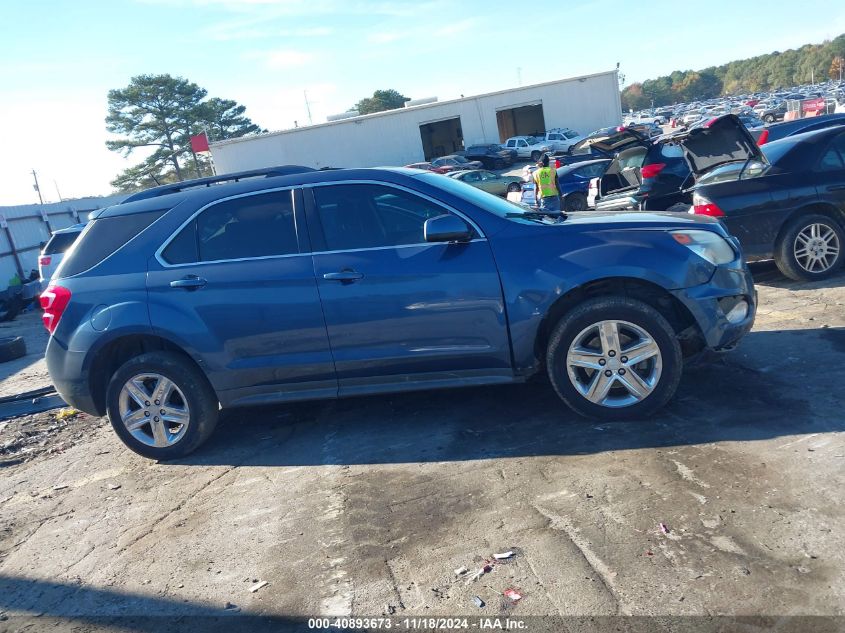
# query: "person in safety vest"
[[546, 189]]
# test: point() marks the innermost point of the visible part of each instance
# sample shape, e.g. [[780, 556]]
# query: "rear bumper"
[[70, 377], [709, 304]]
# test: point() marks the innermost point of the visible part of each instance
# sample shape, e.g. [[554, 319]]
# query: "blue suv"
[[291, 284]]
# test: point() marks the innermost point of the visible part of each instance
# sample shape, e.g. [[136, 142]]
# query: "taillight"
[[650, 171], [764, 138], [53, 301], [711, 121], [44, 260], [705, 206]]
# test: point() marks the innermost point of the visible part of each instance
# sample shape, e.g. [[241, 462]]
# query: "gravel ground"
[[730, 502]]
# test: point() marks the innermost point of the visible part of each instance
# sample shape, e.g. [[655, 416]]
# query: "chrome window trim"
[[166, 243], [164, 264]]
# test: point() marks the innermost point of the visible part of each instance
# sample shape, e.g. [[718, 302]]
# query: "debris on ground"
[[68, 413], [113, 486], [503, 556], [460, 571], [479, 602], [26, 437], [258, 586], [664, 528], [231, 607], [60, 486], [648, 553], [513, 594]]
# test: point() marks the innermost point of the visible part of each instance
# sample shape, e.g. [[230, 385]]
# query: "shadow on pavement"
[[41, 605], [766, 273], [760, 391]]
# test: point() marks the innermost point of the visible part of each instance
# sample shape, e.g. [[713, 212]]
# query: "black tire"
[[614, 308], [12, 347], [575, 202], [201, 400], [785, 256], [513, 187], [535, 156], [769, 118]]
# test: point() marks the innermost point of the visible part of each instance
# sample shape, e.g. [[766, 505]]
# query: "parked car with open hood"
[[54, 250], [290, 283], [786, 202]]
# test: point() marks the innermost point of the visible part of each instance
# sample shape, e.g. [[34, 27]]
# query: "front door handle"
[[191, 282], [836, 188], [346, 276]]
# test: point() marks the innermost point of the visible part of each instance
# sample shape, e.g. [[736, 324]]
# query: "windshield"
[[532, 140], [487, 201]]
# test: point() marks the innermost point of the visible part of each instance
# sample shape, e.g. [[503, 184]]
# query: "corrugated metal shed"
[[30, 225], [394, 138]]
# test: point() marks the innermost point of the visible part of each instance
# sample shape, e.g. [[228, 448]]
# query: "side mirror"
[[446, 228]]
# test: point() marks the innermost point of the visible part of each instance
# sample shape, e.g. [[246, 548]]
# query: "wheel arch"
[[652, 294], [116, 352]]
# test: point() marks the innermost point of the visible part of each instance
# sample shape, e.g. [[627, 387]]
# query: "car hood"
[[718, 141], [613, 142]]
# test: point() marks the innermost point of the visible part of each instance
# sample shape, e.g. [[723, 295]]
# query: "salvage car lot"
[[367, 506]]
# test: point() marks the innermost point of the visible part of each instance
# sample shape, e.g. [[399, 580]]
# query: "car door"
[[403, 313], [830, 175], [522, 148], [491, 183], [235, 287]]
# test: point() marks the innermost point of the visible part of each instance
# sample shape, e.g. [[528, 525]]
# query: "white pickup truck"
[[527, 147], [642, 117], [561, 139]]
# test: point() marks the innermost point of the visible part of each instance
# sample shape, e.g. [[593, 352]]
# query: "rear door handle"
[[836, 188], [191, 282], [344, 275]]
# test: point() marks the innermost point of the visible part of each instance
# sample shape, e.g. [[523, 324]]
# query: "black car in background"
[[492, 156], [603, 143], [655, 174], [788, 203], [790, 128]]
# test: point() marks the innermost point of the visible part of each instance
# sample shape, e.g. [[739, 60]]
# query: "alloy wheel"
[[816, 248], [614, 363], [154, 410]]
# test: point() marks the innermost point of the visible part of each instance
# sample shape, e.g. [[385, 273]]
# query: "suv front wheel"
[[614, 358], [161, 405]]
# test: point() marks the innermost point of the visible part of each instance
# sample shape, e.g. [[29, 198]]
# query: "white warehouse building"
[[422, 132]]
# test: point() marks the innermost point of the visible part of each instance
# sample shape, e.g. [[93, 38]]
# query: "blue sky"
[[60, 58]]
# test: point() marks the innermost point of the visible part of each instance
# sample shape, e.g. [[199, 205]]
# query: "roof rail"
[[266, 172]]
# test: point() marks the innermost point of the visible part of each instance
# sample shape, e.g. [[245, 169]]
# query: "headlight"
[[706, 244]]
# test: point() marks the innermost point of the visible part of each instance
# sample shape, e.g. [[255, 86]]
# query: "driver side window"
[[371, 216]]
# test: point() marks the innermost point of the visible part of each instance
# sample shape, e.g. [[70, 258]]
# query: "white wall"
[[393, 138]]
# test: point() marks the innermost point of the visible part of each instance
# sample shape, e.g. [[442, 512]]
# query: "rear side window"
[[251, 226], [834, 156], [101, 238], [60, 243]]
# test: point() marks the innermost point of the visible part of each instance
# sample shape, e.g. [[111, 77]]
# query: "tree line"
[[158, 114], [757, 74]]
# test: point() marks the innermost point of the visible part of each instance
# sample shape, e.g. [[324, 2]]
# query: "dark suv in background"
[[290, 284], [491, 156]]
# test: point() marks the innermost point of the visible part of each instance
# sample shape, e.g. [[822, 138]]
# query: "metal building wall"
[[393, 138], [30, 225]]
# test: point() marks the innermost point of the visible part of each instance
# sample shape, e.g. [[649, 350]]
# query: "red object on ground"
[[513, 594], [199, 143]]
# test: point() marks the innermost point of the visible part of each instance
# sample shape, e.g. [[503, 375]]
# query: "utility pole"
[[58, 193], [36, 187], [308, 107]]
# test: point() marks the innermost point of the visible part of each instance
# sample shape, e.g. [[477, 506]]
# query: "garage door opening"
[[522, 121], [441, 138]]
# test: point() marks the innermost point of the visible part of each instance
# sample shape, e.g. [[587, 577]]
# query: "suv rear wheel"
[[161, 406], [810, 247], [614, 358]]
